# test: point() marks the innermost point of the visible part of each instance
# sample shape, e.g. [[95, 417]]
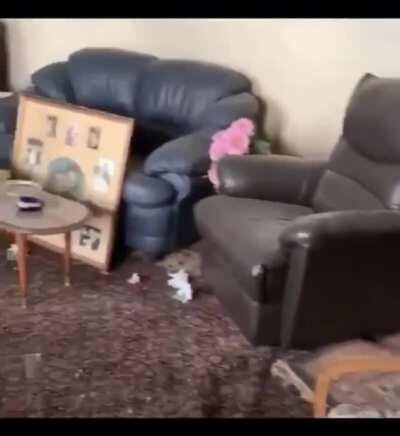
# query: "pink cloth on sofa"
[[235, 140]]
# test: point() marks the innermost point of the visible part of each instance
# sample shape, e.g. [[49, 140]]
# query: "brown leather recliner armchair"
[[304, 253]]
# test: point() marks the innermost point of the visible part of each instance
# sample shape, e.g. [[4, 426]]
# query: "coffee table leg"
[[67, 259], [21, 261]]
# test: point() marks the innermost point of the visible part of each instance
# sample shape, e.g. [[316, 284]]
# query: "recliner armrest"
[[186, 155], [8, 113], [344, 225], [280, 178], [342, 276]]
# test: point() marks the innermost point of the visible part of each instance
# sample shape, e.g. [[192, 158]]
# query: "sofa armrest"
[[6, 143], [186, 155], [223, 112], [324, 227], [8, 113], [286, 179]]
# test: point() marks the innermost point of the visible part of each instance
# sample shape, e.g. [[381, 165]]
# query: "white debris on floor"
[[134, 279], [353, 411], [12, 252], [180, 281]]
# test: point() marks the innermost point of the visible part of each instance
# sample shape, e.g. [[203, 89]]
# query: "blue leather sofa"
[[177, 106]]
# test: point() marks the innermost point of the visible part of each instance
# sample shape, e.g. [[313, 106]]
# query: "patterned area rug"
[[106, 348]]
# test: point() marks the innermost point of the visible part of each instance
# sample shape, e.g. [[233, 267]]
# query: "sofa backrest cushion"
[[53, 81], [364, 168], [167, 98], [174, 93], [107, 79]]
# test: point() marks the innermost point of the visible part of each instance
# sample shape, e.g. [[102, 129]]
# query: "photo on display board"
[[34, 152], [90, 237], [66, 178], [94, 138], [71, 137], [52, 126], [103, 174]]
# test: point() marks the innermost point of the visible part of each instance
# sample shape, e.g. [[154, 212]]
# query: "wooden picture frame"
[[78, 153]]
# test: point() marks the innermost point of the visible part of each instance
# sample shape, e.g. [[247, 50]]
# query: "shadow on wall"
[[272, 116]]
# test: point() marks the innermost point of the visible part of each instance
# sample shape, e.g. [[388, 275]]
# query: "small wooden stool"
[[352, 365]]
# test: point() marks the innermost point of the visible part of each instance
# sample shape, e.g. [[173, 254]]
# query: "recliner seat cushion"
[[246, 232]]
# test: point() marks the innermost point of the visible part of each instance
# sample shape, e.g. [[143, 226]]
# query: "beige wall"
[[304, 69]]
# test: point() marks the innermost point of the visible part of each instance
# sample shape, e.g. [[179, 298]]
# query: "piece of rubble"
[[187, 259], [256, 270], [282, 371]]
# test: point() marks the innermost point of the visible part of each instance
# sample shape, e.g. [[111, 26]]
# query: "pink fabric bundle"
[[233, 140]]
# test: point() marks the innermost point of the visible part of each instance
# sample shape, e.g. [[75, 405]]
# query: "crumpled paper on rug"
[[134, 279], [180, 281]]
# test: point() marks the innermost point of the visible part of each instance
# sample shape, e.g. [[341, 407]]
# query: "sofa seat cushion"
[[147, 191], [246, 232]]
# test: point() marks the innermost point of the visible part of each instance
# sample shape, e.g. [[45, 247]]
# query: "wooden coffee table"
[[59, 215]]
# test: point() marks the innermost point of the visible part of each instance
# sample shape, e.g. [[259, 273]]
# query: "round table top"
[[58, 215]]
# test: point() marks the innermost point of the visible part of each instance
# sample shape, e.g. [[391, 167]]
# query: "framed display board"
[[77, 153]]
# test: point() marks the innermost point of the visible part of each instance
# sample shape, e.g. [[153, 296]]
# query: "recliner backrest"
[[364, 169]]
